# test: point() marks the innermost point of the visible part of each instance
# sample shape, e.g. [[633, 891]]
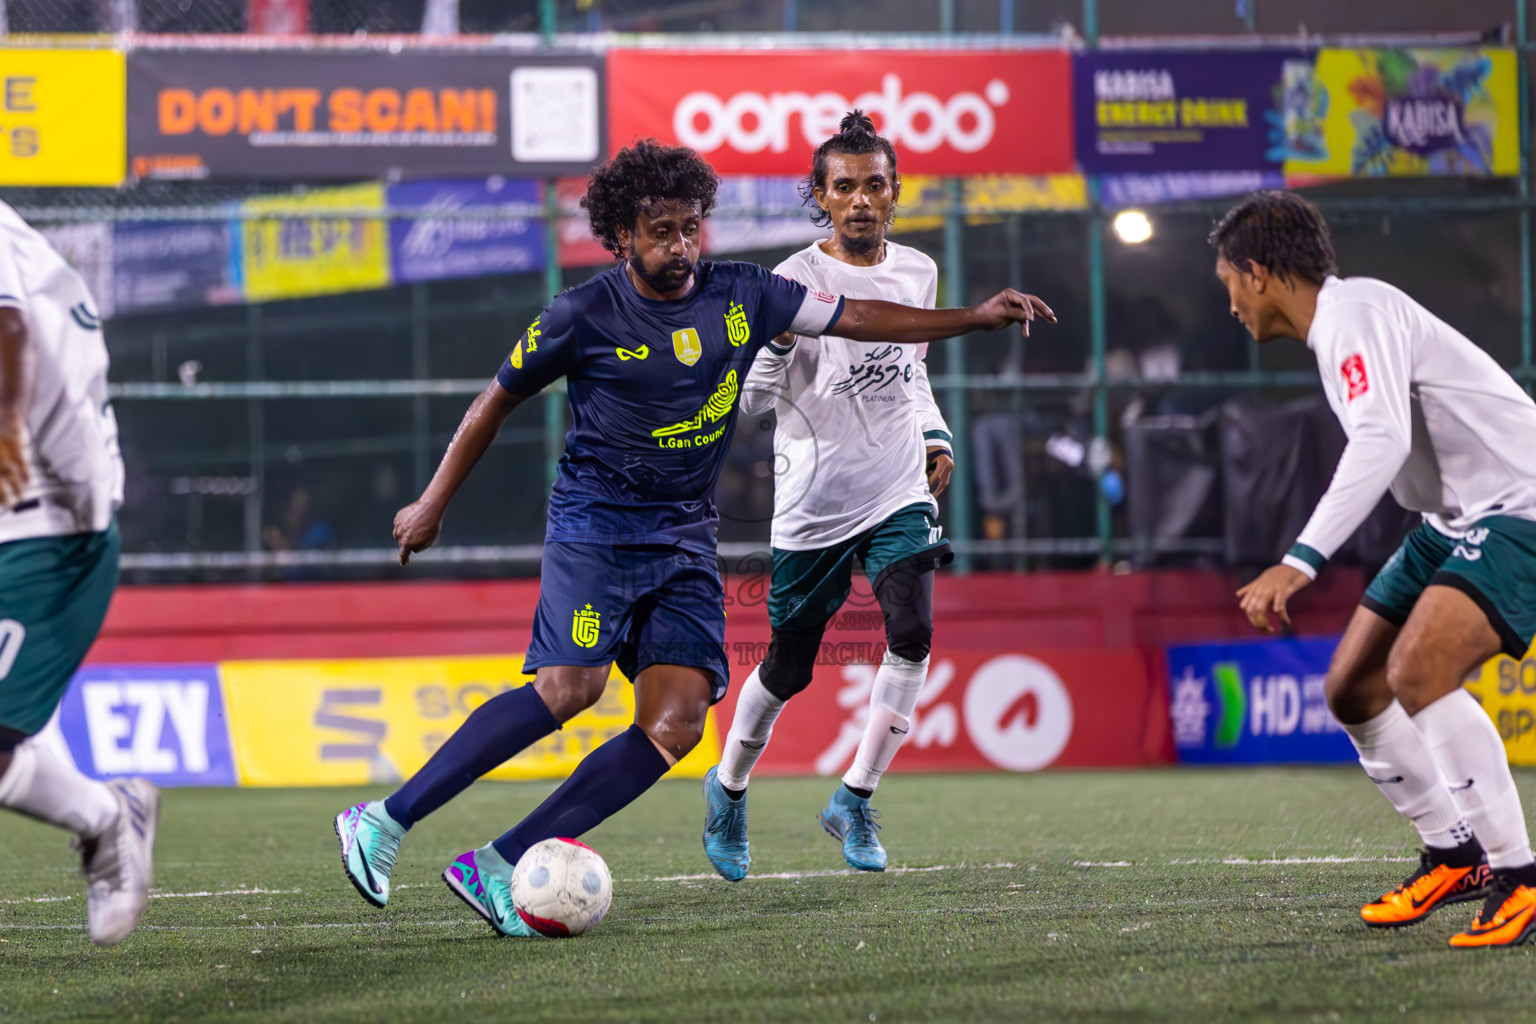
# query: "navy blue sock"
[[606, 781], [497, 730]]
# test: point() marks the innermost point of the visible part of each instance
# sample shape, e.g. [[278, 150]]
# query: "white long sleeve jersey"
[[1427, 413], [854, 418], [75, 470]]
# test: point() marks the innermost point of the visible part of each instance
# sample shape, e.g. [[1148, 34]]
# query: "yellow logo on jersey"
[[626, 354], [533, 335], [516, 358], [685, 345], [584, 626], [736, 326], [717, 408]]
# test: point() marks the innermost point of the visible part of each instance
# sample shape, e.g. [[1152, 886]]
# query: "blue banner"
[[1257, 702], [436, 248], [1118, 190], [166, 723], [1169, 110], [171, 264]]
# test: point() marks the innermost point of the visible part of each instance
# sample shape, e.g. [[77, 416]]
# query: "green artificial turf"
[[1069, 896]]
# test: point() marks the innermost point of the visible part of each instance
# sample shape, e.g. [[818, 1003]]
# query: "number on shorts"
[[12, 633]]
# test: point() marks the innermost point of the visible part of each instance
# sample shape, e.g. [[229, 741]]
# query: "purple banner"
[[431, 248], [1117, 190], [1140, 111], [164, 722]]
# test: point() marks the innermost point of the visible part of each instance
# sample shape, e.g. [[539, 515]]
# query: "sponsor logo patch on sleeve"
[[1355, 379]]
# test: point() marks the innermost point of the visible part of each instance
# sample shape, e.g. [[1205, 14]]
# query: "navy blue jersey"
[[653, 388]]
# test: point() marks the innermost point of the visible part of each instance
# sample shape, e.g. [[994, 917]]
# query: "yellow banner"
[[290, 255], [346, 723], [1506, 689], [63, 117], [1403, 113], [923, 197]]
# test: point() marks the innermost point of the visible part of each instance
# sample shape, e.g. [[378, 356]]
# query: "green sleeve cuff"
[[938, 435], [1309, 555]]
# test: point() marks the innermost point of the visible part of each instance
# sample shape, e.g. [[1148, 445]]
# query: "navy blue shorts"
[[635, 606]]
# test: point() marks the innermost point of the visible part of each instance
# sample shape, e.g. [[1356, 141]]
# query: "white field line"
[[795, 876]]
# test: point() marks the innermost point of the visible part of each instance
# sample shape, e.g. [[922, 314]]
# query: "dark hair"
[[855, 137], [640, 179], [1280, 231]]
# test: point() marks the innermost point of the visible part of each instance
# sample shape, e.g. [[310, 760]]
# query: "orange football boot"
[[1508, 917], [1432, 885]]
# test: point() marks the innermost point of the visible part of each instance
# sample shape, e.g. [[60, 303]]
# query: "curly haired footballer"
[[640, 179], [1280, 231]]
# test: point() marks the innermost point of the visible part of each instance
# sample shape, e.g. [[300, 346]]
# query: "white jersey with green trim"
[[75, 469], [854, 418], [1428, 414]]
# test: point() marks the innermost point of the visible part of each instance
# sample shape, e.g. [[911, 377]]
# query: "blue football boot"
[[851, 820], [725, 829]]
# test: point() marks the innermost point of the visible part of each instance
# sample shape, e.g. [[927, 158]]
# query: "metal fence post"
[[1098, 339], [958, 411], [1523, 54]]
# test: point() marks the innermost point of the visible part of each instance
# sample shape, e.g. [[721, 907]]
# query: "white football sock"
[[1396, 756], [41, 786], [756, 711], [891, 702], [1466, 743]]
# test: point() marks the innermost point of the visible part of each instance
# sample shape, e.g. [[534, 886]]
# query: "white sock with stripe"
[[756, 711], [1397, 757], [891, 703], [1467, 746]]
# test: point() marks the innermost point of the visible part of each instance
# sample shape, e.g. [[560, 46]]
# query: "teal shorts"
[[808, 587], [1494, 565], [54, 593]]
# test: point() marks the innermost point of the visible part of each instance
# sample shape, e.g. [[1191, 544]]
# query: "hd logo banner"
[[1259, 702]]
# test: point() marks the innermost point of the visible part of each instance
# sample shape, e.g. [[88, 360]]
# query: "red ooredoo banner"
[[970, 112]]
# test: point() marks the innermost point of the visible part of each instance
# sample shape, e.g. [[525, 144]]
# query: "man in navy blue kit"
[[654, 352]]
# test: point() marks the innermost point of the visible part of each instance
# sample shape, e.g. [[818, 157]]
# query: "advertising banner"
[[1117, 190], [308, 115], [172, 264], [1172, 110], [61, 117], [89, 249], [577, 246], [164, 722], [1254, 702], [1403, 113], [979, 710], [288, 255], [431, 248], [335, 723], [763, 112], [1506, 688]]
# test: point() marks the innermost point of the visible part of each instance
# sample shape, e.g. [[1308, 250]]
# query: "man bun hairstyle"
[[1280, 231], [855, 136], [643, 178]]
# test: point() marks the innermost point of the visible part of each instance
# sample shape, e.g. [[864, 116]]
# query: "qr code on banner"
[[554, 115]]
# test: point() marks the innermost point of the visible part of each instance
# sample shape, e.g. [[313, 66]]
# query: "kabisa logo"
[[1425, 124], [750, 122], [736, 326], [584, 626]]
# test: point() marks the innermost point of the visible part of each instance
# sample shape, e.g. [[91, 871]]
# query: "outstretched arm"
[[16, 373], [418, 524], [874, 320]]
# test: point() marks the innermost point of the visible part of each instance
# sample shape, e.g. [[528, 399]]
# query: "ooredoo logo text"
[[915, 120]]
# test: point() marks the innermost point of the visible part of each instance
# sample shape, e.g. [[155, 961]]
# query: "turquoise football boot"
[[851, 820], [483, 879], [370, 839], [725, 829]]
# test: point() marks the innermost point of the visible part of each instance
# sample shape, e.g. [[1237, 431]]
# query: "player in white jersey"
[[1433, 418], [864, 451], [61, 481]]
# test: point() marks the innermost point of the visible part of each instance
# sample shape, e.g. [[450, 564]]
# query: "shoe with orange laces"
[[1508, 916], [1433, 885]]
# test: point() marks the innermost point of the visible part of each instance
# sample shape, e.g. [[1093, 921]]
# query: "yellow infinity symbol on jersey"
[[625, 355]]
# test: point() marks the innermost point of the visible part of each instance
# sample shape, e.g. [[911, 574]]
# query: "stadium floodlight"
[[1133, 226]]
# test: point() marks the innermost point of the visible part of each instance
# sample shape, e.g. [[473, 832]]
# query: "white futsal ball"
[[561, 887]]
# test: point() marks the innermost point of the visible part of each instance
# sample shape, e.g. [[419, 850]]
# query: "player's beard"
[[672, 275], [861, 244]]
